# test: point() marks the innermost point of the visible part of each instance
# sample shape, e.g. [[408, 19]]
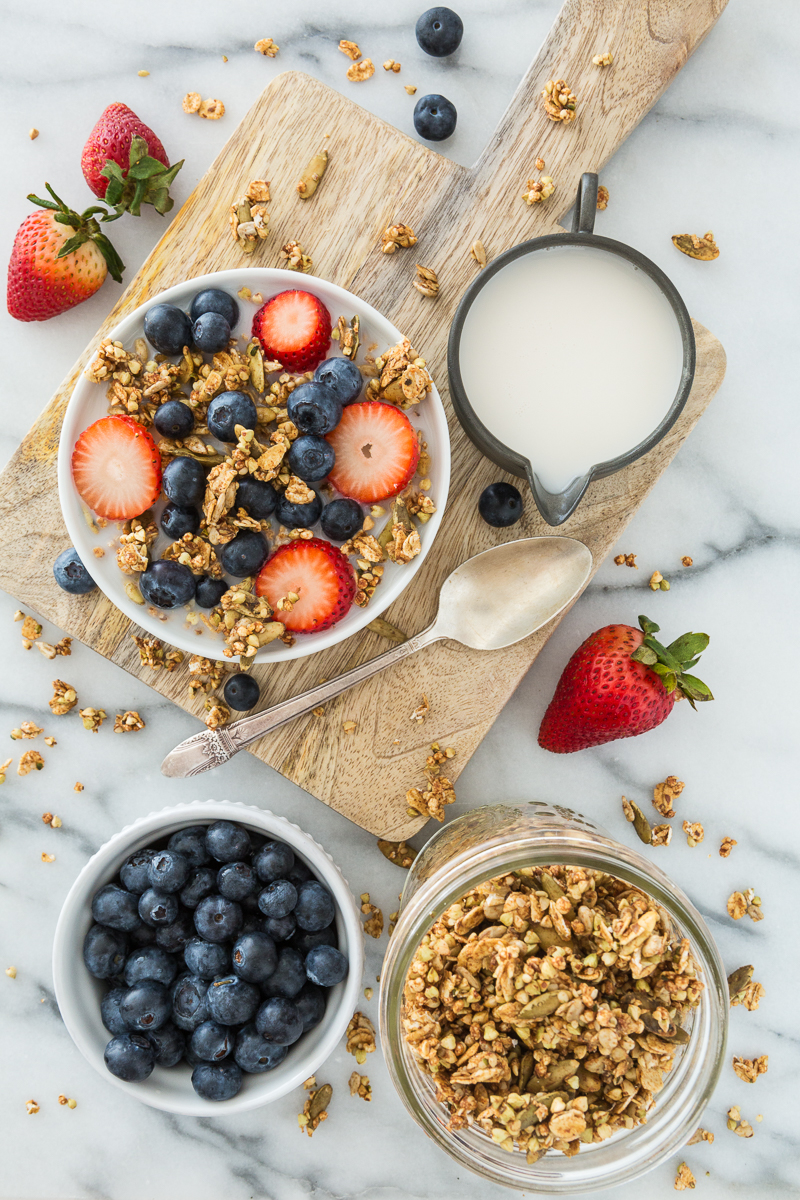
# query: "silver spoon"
[[491, 601]]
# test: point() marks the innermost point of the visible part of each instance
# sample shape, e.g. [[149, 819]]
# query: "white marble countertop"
[[720, 149]]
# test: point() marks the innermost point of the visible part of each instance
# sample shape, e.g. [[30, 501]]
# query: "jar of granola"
[[553, 1008]]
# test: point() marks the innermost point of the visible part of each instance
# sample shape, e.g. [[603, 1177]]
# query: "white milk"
[[571, 356]]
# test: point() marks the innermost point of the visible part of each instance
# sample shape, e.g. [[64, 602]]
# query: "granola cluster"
[[547, 1007]]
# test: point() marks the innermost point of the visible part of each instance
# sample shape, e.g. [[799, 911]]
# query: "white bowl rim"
[[117, 848], [358, 618]]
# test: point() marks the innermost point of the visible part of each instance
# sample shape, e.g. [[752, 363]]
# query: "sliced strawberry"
[[315, 571], [376, 451], [294, 328], [117, 468]]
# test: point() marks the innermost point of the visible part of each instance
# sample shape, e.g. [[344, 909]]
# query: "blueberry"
[[254, 1054], [310, 457], [190, 1057], [130, 1056], [202, 882], [342, 376], [209, 591], [315, 908], [217, 919], [278, 898], [70, 573], [300, 872], [174, 419], [133, 872], [189, 1006], [150, 962], [439, 31], [109, 1010], [326, 966], [167, 328], [191, 843], [245, 554], [167, 584], [227, 842], [314, 408], [169, 1044], [273, 861], [252, 923], [280, 929], [257, 497], [215, 300], [311, 1005], [305, 942], [211, 332], [236, 880], [241, 692], [288, 977], [217, 1081], [206, 959], [142, 935], [228, 410], [341, 519], [104, 951], [231, 1000], [212, 1042], [168, 870], [177, 520], [157, 908], [435, 118], [173, 937], [500, 505], [145, 1005], [278, 1020], [116, 907], [299, 516], [254, 957], [184, 481]]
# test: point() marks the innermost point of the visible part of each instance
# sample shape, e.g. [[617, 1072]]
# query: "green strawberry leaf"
[[71, 244], [145, 181], [645, 655], [694, 688], [689, 646], [648, 626], [662, 653]]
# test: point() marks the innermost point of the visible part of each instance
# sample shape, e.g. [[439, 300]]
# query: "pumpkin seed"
[[320, 1100]]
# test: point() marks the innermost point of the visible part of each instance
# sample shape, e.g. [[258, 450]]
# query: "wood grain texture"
[[376, 176]]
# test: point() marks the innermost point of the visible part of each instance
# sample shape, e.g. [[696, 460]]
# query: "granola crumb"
[[92, 718], [50, 819], [30, 631], [360, 1037], [31, 760], [704, 248], [360, 1086], [267, 47], [349, 726], [559, 101], [32, 1107], [687, 560], [626, 560], [98, 552], [217, 714], [309, 1083], [662, 835], [411, 89], [374, 925], [315, 1109], [694, 833], [664, 793], [421, 711], [78, 787], [128, 722], [657, 582], [478, 253], [50, 741], [368, 993], [539, 164], [361, 71], [726, 845], [48, 858], [749, 1069], [602, 197], [737, 1124], [684, 1178], [33, 134], [426, 283], [351, 49], [212, 110], [295, 257], [700, 1135], [537, 190], [27, 731], [603, 60], [3, 768], [11, 972], [627, 809], [397, 236], [319, 710], [391, 65], [192, 102], [740, 904]]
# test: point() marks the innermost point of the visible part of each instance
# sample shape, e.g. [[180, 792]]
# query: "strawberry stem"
[[670, 662], [146, 181], [86, 230]]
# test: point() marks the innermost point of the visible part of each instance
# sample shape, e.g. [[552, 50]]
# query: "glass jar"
[[494, 840]]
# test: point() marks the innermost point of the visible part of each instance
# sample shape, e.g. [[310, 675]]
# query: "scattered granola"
[[397, 236], [346, 334], [212, 110], [602, 197], [411, 89], [662, 835], [350, 49], [360, 1086], [92, 718], [48, 858], [426, 282], [640, 822], [78, 787], [749, 1069], [421, 711], [547, 1006], [478, 252], [687, 560], [205, 675], [11, 972], [361, 71], [397, 852], [3, 768], [152, 653], [128, 722], [539, 164], [658, 582], [393, 922], [626, 560], [349, 726], [30, 631], [374, 926], [664, 794], [267, 47], [360, 1037], [726, 845], [133, 555], [744, 903], [684, 1178], [315, 1109], [31, 760], [537, 190], [248, 220], [391, 65], [27, 731], [431, 801], [51, 820], [387, 630], [559, 102], [32, 1107], [737, 1124], [295, 258], [694, 833], [700, 1135], [62, 648], [50, 741], [311, 177], [704, 247], [603, 60], [33, 134], [402, 379], [217, 714]]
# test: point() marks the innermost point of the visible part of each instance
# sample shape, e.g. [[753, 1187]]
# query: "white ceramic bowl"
[[78, 993], [88, 403]]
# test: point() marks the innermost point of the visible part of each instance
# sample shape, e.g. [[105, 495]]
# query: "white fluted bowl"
[[78, 993]]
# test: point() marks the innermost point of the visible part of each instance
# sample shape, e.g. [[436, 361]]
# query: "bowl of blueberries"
[[208, 955]]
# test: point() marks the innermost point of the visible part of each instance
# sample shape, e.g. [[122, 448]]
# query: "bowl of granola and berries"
[[263, 462]]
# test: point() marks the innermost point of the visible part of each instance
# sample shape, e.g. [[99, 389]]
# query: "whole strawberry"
[[125, 164], [59, 259], [619, 683]]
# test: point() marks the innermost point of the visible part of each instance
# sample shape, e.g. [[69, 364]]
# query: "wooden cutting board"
[[378, 176]]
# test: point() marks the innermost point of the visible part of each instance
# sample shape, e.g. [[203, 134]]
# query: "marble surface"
[[721, 150]]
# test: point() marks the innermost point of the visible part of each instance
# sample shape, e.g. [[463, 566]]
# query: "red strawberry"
[[619, 683], [59, 259], [125, 164], [315, 571], [117, 468], [376, 451], [294, 328]]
